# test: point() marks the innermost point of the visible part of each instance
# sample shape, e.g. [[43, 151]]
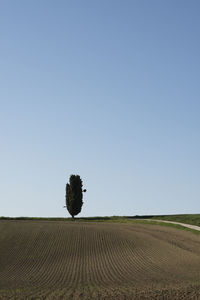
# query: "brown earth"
[[72, 260]]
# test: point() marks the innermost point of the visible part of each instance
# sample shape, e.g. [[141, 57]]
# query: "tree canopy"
[[74, 195]]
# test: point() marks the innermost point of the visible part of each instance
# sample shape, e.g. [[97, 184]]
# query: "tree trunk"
[[73, 218]]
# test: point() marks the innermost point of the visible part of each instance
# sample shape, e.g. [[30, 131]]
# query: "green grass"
[[167, 224], [193, 219], [95, 219]]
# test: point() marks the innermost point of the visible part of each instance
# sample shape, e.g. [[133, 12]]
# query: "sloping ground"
[[192, 219], [194, 227], [62, 260]]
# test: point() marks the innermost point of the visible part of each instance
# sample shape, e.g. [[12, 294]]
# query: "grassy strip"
[[115, 219], [151, 222], [193, 219], [167, 224], [96, 219], [35, 218]]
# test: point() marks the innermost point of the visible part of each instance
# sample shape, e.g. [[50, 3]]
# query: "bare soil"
[[63, 260]]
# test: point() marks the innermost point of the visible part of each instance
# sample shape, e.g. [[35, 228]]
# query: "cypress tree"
[[74, 195]]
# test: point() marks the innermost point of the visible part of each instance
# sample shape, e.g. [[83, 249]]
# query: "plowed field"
[[80, 260]]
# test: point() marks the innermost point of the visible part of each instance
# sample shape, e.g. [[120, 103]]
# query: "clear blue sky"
[[109, 90]]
